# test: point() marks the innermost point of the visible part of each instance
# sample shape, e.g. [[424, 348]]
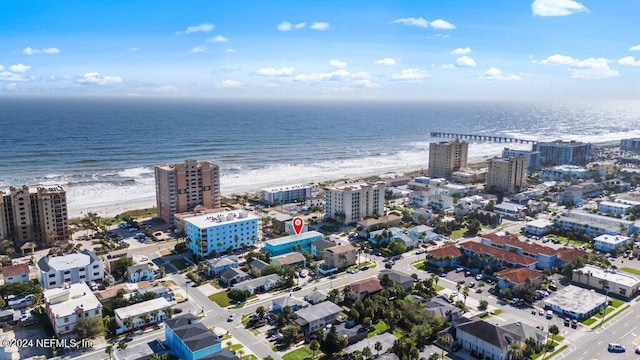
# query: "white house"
[[538, 227], [144, 313], [54, 271], [16, 273], [140, 272], [441, 202], [419, 198], [218, 265], [66, 305], [607, 243], [615, 208]]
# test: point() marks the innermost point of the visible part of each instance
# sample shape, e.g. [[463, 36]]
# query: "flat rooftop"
[[143, 307], [80, 296], [576, 299], [353, 187], [286, 188], [221, 218], [290, 238], [540, 223], [68, 262], [612, 276], [611, 239]]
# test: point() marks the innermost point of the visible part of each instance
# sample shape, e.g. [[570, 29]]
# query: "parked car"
[[231, 318]]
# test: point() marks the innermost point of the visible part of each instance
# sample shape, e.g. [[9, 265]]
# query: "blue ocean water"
[[102, 150]]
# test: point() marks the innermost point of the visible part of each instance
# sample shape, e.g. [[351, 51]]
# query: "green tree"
[[366, 352], [261, 311], [445, 341], [122, 345], [314, 346], [128, 323], [554, 330], [377, 346], [516, 350], [89, 327], [109, 351]]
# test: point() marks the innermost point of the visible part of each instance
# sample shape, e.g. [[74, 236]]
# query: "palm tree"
[[168, 312], [515, 350], [154, 315], [236, 238], [465, 294], [346, 291], [366, 352], [109, 351], [240, 353], [314, 346], [378, 347], [145, 317], [458, 287], [128, 323], [229, 343], [122, 345], [605, 286], [445, 341], [434, 279]]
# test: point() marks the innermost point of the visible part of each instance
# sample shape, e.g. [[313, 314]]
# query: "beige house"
[[340, 256]]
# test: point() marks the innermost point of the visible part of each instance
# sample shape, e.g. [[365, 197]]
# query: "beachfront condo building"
[[632, 144], [285, 194], [352, 203], [182, 187], [563, 152], [507, 175], [221, 231], [57, 271], [531, 158], [34, 214], [446, 157]]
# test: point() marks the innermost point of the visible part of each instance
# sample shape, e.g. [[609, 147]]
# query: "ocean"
[[102, 150]]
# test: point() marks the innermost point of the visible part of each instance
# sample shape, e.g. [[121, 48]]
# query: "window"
[[52, 275], [66, 320], [52, 283]]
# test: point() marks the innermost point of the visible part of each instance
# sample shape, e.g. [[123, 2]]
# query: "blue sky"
[[421, 50]]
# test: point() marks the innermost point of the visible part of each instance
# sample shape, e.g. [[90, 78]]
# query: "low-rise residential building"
[[409, 241], [293, 303], [364, 288], [498, 256], [220, 231], [188, 339], [233, 276], [160, 291], [419, 230], [607, 280], [140, 272], [577, 194], [608, 243], [444, 256], [384, 236], [290, 243], [561, 172], [469, 176], [293, 259], [510, 210], [372, 224], [259, 285], [256, 267], [517, 276], [316, 297], [538, 227], [285, 194], [421, 215], [16, 273], [442, 309], [594, 225], [614, 208], [341, 256], [316, 317], [575, 302], [545, 256], [441, 203], [486, 340], [54, 271], [218, 265], [279, 221], [318, 247], [143, 314], [66, 305], [399, 278], [111, 259], [419, 198]]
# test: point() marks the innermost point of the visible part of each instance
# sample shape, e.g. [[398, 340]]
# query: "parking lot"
[[27, 332]]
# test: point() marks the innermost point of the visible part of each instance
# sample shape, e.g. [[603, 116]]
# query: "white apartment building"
[[594, 225], [605, 280], [531, 158], [352, 203], [607, 243], [66, 305], [144, 313], [54, 271], [285, 194], [615, 208], [558, 173], [222, 230]]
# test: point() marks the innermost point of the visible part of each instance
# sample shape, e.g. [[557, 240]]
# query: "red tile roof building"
[[16, 273]]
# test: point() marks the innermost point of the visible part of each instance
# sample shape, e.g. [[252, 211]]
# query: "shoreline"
[[475, 162]]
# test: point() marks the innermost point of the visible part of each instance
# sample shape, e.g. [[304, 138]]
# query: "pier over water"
[[493, 138]]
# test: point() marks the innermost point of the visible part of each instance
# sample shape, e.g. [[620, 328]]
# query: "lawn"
[[438, 287], [378, 328], [220, 298], [250, 357], [236, 347], [458, 234], [631, 270], [298, 354], [589, 321], [497, 312], [616, 303], [180, 264]]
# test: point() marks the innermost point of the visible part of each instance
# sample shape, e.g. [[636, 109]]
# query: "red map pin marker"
[[298, 224]]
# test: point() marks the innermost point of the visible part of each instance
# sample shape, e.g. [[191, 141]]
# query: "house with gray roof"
[[233, 276], [442, 309], [258, 285], [218, 265], [294, 303], [316, 317], [54, 271], [140, 272], [386, 339], [256, 267], [399, 278], [188, 339], [160, 291], [486, 340], [316, 296]]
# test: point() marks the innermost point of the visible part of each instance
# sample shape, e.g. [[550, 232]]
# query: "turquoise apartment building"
[[288, 244], [221, 230]]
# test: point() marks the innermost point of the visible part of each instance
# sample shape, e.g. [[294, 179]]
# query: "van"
[[549, 314]]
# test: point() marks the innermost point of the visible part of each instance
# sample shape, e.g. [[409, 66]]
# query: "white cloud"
[[361, 75], [19, 68], [285, 26], [317, 77], [635, 48], [230, 50], [629, 60], [319, 25], [591, 68], [285, 71], [230, 84], [465, 61], [272, 85], [167, 89], [366, 83], [198, 50], [461, 51], [134, 49], [32, 51], [442, 24], [447, 67], [411, 75], [411, 21], [95, 78], [13, 77], [496, 74], [11, 86], [338, 64], [1, 67], [556, 7], [206, 27], [386, 62], [217, 39], [299, 26]]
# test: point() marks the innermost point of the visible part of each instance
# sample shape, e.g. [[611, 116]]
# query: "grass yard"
[[418, 265], [631, 270], [236, 347], [220, 298], [250, 357], [617, 303], [438, 287], [589, 321], [458, 234], [497, 312], [378, 328], [180, 264], [298, 354]]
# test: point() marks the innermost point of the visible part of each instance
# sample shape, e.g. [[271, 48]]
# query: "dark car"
[[456, 347], [364, 268], [177, 310], [127, 339], [297, 288]]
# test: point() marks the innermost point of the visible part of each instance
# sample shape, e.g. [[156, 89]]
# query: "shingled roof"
[[503, 255], [194, 335], [490, 333]]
